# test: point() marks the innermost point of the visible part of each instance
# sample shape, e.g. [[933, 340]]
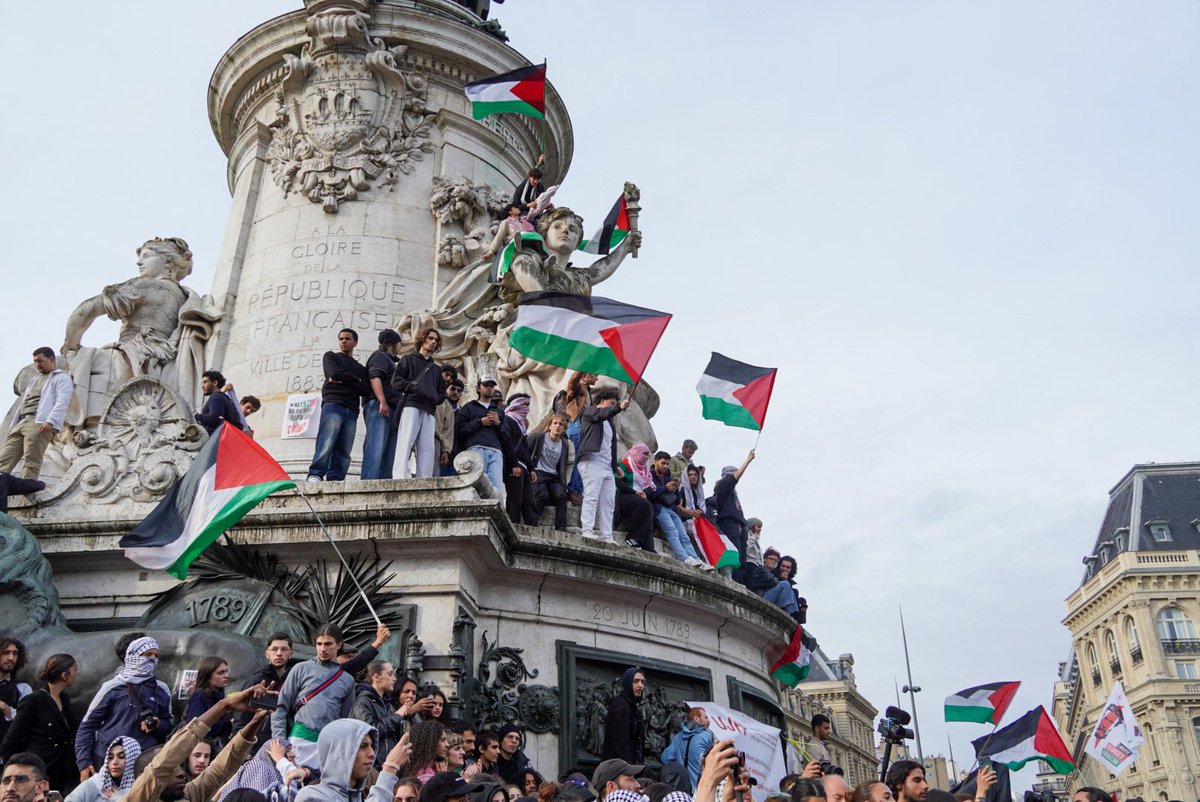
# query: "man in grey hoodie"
[[346, 755], [318, 691]]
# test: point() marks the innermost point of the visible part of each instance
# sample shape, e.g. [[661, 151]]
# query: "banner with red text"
[[760, 742], [301, 416]]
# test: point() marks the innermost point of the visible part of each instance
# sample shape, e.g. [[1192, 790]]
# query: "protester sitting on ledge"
[[552, 456], [759, 580], [633, 485], [666, 497]]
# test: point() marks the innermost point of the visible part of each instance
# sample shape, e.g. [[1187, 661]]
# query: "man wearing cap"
[[624, 733], [615, 775], [380, 411], [446, 786], [730, 519], [477, 428]]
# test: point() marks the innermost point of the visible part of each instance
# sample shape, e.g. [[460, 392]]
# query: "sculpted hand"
[[635, 238]]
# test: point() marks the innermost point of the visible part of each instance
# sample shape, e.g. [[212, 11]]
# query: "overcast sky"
[[965, 233]]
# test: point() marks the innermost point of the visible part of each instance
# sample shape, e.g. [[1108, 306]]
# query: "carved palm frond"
[[339, 602], [231, 560]]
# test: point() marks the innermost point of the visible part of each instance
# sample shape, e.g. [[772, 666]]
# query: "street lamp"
[[912, 691]]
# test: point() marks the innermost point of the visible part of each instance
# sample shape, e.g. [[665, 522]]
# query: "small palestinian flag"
[[521, 91], [1031, 737], [735, 393], [504, 259], [230, 476], [612, 233], [793, 665], [983, 704], [716, 549], [589, 334]]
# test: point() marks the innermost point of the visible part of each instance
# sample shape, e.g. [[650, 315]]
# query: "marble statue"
[[164, 330]]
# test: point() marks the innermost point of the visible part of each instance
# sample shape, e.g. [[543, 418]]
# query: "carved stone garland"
[[346, 118]]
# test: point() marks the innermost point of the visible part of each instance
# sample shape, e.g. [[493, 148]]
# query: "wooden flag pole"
[[338, 551]]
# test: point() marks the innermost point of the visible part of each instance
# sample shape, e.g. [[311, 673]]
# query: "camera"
[[150, 721], [828, 768], [891, 726]]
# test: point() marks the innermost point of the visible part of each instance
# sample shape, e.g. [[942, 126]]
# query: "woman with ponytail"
[[46, 722]]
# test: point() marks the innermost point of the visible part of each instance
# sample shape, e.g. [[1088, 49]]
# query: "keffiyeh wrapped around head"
[[623, 795], [518, 410], [133, 750], [638, 460], [138, 667], [258, 773]]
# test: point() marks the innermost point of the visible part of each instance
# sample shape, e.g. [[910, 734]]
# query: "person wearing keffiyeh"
[[265, 773], [518, 490], [117, 776], [133, 704], [636, 511]]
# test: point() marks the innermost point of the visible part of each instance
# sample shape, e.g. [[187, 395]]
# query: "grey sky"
[[964, 232]]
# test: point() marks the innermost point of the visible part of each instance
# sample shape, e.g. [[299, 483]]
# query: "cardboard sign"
[[301, 417]]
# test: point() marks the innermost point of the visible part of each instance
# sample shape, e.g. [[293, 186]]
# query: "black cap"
[[446, 784]]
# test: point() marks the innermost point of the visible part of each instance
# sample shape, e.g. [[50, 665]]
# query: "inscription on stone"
[[633, 618]]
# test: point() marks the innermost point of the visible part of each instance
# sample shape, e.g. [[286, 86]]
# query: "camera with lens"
[[892, 725], [150, 722], [828, 768]]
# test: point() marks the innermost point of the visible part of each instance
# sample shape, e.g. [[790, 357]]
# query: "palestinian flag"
[[504, 259], [735, 393], [590, 334], [716, 549], [1031, 737], [983, 704], [230, 476], [793, 665], [521, 91], [612, 233]]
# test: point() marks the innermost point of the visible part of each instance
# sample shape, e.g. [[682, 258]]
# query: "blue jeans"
[[335, 439], [677, 536], [493, 467], [576, 483], [379, 446], [781, 596]]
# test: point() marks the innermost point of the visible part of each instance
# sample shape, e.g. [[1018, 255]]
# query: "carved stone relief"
[[501, 694], [347, 118]]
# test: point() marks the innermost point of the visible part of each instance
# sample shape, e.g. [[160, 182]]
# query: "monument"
[[364, 196]]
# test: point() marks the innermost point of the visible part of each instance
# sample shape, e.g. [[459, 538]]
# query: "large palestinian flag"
[[230, 476], [716, 549], [589, 334], [793, 665], [521, 91], [613, 230], [735, 393], [1031, 737], [984, 704]]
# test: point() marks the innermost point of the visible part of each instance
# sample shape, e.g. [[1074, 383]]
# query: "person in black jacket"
[[518, 464], [624, 733], [279, 662], [477, 428], [16, 486], [526, 192], [381, 412], [419, 380], [596, 459], [218, 407], [345, 387], [552, 456], [369, 706], [45, 724]]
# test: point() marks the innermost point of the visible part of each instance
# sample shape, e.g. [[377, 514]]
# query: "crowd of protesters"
[[336, 728]]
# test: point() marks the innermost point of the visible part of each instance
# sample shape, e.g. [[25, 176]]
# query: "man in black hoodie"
[[624, 733], [345, 387], [419, 382]]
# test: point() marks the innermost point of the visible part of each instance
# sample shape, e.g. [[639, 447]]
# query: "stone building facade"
[[1133, 620], [831, 689]]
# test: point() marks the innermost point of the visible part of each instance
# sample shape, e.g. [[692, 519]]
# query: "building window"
[[1093, 663], [1110, 643], [1196, 730], [1186, 669], [1135, 645], [1177, 632], [1160, 530]]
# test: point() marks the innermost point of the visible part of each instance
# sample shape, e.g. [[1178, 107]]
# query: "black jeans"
[[638, 516], [519, 498], [549, 490]]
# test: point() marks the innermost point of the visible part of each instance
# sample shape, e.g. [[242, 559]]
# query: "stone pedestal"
[[336, 120]]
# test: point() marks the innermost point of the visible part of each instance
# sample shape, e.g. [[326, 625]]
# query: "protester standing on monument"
[[690, 743], [212, 678], [318, 691], [135, 705], [381, 409], [553, 458], [15, 486], [528, 190], [218, 408], [40, 414], [571, 402], [272, 674], [730, 519], [444, 418], [345, 386], [477, 428], [596, 458], [419, 382], [46, 722], [691, 505], [518, 464], [624, 732]]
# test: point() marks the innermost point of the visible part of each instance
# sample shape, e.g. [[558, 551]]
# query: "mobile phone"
[[264, 703], [985, 763]]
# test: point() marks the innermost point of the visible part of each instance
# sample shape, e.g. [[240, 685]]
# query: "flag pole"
[[338, 551], [985, 743]]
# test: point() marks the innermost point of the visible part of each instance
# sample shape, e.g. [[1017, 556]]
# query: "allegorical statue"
[[164, 329]]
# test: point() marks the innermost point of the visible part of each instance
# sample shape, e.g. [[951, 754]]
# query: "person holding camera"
[[421, 387], [135, 706]]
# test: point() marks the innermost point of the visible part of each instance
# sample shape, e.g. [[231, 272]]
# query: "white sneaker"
[[691, 561], [608, 539], [316, 480], [706, 567], [590, 535], [633, 544]]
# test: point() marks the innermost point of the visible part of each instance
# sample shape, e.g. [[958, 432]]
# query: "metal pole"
[[912, 694], [953, 767]]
